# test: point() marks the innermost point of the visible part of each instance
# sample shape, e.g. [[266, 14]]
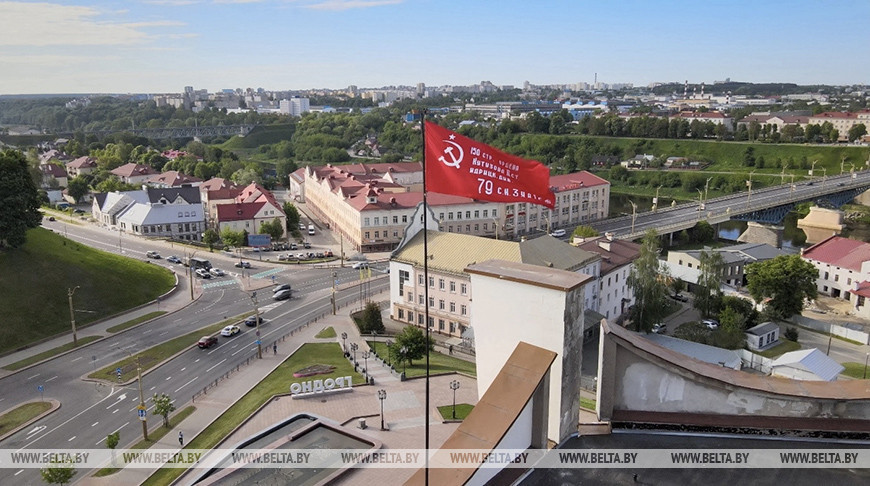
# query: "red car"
[[206, 342]]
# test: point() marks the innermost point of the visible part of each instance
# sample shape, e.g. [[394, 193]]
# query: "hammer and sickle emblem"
[[455, 159]]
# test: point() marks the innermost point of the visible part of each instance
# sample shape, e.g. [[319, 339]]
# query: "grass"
[[153, 437], [587, 403], [138, 320], [37, 277], [155, 355], [48, 354], [835, 336], [438, 363], [784, 347], [462, 411], [855, 370], [275, 383], [21, 415], [260, 135], [325, 333]]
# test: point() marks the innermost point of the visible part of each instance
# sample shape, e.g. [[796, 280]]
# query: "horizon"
[[160, 46]]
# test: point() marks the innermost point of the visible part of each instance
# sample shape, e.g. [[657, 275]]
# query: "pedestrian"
[[275, 348], [450, 349], [180, 438]]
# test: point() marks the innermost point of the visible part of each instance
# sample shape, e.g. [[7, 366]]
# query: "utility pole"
[[656, 199], [141, 399], [334, 277], [707, 189], [633, 215], [72, 314], [257, 317]]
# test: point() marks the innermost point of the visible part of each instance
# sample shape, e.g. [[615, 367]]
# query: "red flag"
[[460, 166]]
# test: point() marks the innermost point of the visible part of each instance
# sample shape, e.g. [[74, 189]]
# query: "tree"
[[210, 237], [857, 131], [741, 307], [19, 199], [272, 228], [233, 238], [414, 341], [648, 283], [58, 472], [677, 285], [787, 281], [584, 231], [112, 442], [77, 187], [730, 334], [292, 215], [371, 320], [163, 406], [708, 294]]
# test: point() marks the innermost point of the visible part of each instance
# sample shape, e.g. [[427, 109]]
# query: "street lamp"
[[707, 189], [867, 357], [354, 347], [403, 351], [334, 280], [656, 199], [72, 313], [365, 356], [141, 406], [813, 167], [825, 175], [375, 341], [389, 345], [633, 215], [257, 321], [382, 395], [782, 174], [700, 203], [454, 385], [749, 184], [343, 342]]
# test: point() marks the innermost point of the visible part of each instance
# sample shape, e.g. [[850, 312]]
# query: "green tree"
[[703, 232], [584, 231], [292, 215], [708, 294], [677, 285], [77, 187], [414, 341], [371, 320], [58, 472], [210, 237], [163, 406], [233, 238], [19, 199], [783, 283], [729, 335], [112, 441], [272, 228], [648, 283], [740, 307], [857, 131]]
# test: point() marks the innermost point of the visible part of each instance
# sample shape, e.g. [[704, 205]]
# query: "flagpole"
[[426, 283]]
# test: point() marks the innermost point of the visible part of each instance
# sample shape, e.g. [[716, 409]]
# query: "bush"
[[791, 334]]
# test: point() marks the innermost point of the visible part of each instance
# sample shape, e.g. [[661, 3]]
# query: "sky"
[[160, 46]]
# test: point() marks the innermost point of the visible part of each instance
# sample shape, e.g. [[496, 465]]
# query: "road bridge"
[[180, 132]]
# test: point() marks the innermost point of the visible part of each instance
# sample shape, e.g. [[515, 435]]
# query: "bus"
[[197, 263]]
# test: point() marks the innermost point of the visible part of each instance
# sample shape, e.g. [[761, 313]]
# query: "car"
[[810, 183], [841, 184], [79, 211], [202, 273], [206, 342], [660, 328], [301, 256], [243, 265], [711, 324], [320, 254], [306, 245], [558, 233], [217, 272], [173, 259], [680, 297], [360, 265], [282, 258], [301, 226], [281, 287], [251, 321], [230, 331], [294, 246], [152, 254], [51, 218], [328, 253], [283, 294]]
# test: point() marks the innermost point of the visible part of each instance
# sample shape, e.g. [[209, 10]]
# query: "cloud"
[[338, 5], [49, 24]]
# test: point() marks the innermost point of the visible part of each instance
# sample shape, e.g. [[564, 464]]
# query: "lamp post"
[[813, 167], [365, 356], [382, 395], [389, 345], [72, 313], [334, 280], [495, 225], [707, 189], [141, 395], [454, 385], [403, 351], [190, 272], [633, 215], [343, 342], [824, 175], [257, 321], [749, 184], [353, 347], [867, 357], [782, 174], [700, 203], [656, 199]]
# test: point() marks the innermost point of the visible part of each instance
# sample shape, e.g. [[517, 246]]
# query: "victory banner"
[[461, 166]]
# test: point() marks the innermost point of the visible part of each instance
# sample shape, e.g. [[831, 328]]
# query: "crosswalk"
[[219, 283]]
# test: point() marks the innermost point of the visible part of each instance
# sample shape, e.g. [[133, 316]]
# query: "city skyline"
[[159, 46]]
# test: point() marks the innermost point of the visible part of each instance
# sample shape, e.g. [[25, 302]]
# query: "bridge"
[[767, 205], [180, 132]]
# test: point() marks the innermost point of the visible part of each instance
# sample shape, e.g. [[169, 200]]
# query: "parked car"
[[251, 321], [711, 324], [294, 246], [79, 211], [301, 256], [51, 218], [152, 254], [360, 265], [206, 342], [282, 257], [306, 245], [328, 253], [243, 265], [320, 254], [660, 328], [301, 225], [217, 272], [283, 294], [558, 233], [230, 331], [203, 273], [281, 287], [173, 259], [680, 297]]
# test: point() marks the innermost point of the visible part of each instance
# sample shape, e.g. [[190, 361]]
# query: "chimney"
[[605, 245], [609, 236]]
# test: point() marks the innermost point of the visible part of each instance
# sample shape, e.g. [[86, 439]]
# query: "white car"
[[217, 272], [360, 265], [230, 331], [558, 233], [203, 273], [660, 328], [711, 324]]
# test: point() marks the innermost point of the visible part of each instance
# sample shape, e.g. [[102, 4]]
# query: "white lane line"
[[116, 410], [71, 439], [237, 352], [53, 377], [168, 378], [182, 369], [34, 376], [184, 385], [162, 333], [115, 344], [119, 428], [215, 366], [76, 359], [152, 388], [197, 360], [19, 472], [94, 424]]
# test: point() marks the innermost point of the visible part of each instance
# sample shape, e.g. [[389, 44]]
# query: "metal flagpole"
[[426, 284]]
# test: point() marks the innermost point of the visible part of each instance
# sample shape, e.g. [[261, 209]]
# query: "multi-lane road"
[[90, 410]]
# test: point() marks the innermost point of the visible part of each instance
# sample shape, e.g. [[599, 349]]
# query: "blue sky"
[[163, 45]]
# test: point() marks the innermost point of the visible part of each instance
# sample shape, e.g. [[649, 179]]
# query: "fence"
[[754, 361]]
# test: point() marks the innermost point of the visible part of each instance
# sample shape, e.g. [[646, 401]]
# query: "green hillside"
[[260, 135], [35, 279]]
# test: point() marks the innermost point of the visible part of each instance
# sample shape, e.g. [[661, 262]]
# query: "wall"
[[518, 437]]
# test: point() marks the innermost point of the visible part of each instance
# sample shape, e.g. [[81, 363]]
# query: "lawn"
[[325, 333], [784, 347], [21, 415], [275, 383], [438, 363], [138, 320], [37, 277], [855, 370], [48, 354], [587, 403], [462, 411]]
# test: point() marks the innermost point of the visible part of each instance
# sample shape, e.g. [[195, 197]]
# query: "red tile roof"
[[217, 183], [567, 182], [131, 169], [82, 163], [238, 211], [53, 170], [173, 178], [840, 252]]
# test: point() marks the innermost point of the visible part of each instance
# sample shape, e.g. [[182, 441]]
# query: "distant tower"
[[728, 98], [596, 79], [421, 89], [702, 89], [694, 91], [686, 89]]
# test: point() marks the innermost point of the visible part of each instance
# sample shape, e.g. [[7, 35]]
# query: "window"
[[494, 215], [441, 304], [395, 234], [431, 301], [440, 284], [458, 214], [485, 226], [441, 216], [463, 310], [377, 220], [486, 213], [420, 298], [395, 220], [420, 319], [453, 286], [377, 234], [452, 327], [463, 289], [476, 227], [431, 322], [432, 282], [366, 221], [440, 324], [826, 276], [476, 213], [450, 215], [420, 279], [468, 215], [453, 307], [405, 218], [410, 316], [402, 314], [367, 235]]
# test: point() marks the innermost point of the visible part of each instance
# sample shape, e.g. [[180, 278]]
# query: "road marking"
[[182, 369], [19, 472], [197, 360], [120, 399], [119, 428], [184, 385], [116, 410], [237, 352], [35, 430], [76, 359], [162, 333], [215, 366], [53, 377], [71, 439], [94, 424], [152, 388], [115, 344], [34, 376], [168, 378]]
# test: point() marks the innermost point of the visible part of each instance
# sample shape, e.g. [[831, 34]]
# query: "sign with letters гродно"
[[317, 387]]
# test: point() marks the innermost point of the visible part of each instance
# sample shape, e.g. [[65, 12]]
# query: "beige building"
[[842, 121]]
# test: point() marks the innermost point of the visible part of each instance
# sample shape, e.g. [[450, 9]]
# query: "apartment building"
[[842, 121]]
